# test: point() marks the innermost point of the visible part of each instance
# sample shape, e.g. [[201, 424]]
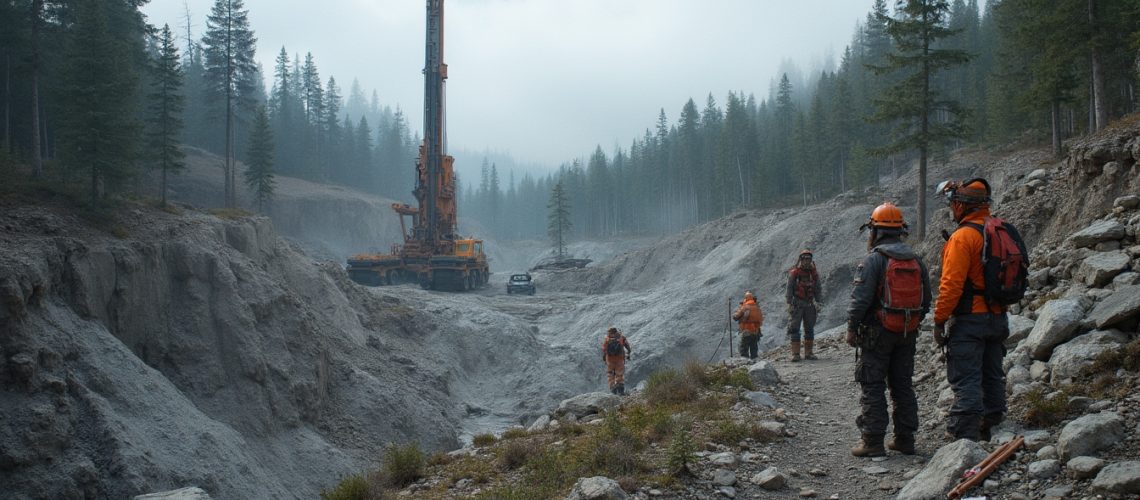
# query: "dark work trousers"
[[887, 361], [749, 345], [802, 311], [973, 368]]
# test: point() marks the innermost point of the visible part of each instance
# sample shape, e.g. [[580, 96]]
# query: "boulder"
[[539, 424], [1069, 358], [1118, 308], [775, 428], [1019, 328], [1103, 230], [1120, 477], [770, 479], [1090, 434], [1039, 371], [1035, 440], [1057, 320], [763, 374], [724, 477], [1127, 202], [726, 459], [943, 470], [597, 487], [190, 493], [1039, 278], [1125, 279], [1099, 270], [760, 398], [1017, 375], [1083, 467], [588, 404], [1047, 453], [1039, 174], [1044, 469]]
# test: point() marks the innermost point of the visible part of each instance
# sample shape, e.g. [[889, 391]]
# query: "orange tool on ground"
[[980, 472]]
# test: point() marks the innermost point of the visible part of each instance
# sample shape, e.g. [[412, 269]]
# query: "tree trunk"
[[1099, 107], [37, 161], [8, 102], [740, 174], [1055, 122]]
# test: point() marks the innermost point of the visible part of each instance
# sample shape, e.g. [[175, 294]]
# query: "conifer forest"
[[95, 97]]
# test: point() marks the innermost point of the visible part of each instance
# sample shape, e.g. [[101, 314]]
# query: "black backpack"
[[613, 346]]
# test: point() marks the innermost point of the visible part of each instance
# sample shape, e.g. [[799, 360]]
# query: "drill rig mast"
[[432, 254]]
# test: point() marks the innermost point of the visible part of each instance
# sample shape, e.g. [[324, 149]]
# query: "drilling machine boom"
[[432, 254]]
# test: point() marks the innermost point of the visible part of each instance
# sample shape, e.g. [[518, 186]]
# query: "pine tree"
[[333, 167], [558, 219], [912, 104], [98, 131], [166, 106], [231, 72], [259, 177]]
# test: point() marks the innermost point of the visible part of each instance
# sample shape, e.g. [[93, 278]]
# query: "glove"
[[790, 309], [940, 334], [627, 357], [851, 338], [818, 305]]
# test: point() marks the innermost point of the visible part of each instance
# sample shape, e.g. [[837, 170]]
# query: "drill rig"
[[432, 254]]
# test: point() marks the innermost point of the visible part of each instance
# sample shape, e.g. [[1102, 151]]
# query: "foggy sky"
[[548, 80]]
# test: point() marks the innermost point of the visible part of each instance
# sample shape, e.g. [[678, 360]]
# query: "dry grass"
[[1042, 410], [482, 440]]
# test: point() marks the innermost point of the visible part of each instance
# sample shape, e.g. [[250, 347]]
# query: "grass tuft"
[[514, 432], [482, 440], [403, 465], [670, 387], [1041, 410], [353, 487]]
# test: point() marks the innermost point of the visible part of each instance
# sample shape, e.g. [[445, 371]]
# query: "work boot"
[[871, 446], [902, 443], [795, 352], [621, 389], [808, 354]]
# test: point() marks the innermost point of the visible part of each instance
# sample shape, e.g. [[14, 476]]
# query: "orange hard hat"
[[887, 215]]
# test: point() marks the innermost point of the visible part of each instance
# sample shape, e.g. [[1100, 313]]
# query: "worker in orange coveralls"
[[615, 352]]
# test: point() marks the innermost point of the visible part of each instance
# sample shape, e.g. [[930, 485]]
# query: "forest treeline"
[[113, 93], [1032, 69], [94, 96]]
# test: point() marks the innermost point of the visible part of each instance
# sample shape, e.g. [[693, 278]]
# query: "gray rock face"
[[1099, 231], [1056, 322], [1120, 477], [1125, 279], [539, 424], [1121, 306], [760, 398], [943, 471], [1039, 278], [770, 479], [1099, 270], [1044, 469], [588, 404], [1090, 434], [1069, 358], [597, 488], [190, 493], [1083, 467], [763, 374]]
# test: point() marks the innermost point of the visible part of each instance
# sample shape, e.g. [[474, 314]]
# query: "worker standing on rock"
[[972, 329], [890, 296], [802, 296], [615, 352], [751, 319]]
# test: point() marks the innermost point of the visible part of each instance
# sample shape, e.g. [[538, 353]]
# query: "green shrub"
[[475, 469], [669, 387], [738, 377], [403, 464], [515, 453], [730, 432], [1042, 410], [514, 432], [681, 451], [655, 424], [350, 488], [438, 458], [482, 440], [698, 373]]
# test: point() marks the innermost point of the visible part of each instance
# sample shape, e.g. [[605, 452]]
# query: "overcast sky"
[[547, 80]]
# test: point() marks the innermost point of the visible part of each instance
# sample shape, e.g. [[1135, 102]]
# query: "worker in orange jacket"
[[972, 330], [615, 352], [751, 319]]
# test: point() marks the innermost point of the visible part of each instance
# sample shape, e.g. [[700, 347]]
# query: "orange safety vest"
[[750, 316]]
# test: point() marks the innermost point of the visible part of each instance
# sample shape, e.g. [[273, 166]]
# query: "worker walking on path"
[[970, 315], [615, 352], [751, 319], [890, 296], [802, 296]]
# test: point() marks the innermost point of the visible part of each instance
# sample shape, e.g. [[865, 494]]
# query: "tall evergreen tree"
[[912, 104], [98, 130], [166, 106], [558, 219], [259, 177], [231, 72]]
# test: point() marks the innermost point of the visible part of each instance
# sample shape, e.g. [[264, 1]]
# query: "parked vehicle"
[[520, 283]]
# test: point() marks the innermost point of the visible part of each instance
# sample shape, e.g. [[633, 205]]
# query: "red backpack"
[[805, 282], [1005, 263], [900, 295]]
